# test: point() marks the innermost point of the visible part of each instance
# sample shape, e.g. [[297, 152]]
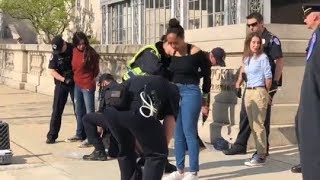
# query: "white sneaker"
[[173, 176], [190, 176]]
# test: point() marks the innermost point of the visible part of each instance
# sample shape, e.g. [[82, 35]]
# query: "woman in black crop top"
[[188, 65]]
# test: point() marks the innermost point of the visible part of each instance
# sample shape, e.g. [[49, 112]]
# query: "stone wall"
[[25, 67]]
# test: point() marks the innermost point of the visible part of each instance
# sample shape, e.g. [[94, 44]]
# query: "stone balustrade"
[[25, 67]]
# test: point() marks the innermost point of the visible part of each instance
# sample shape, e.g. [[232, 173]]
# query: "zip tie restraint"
[[147, 104]]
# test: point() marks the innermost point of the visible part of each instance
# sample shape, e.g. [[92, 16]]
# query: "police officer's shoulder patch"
[[276, 41]]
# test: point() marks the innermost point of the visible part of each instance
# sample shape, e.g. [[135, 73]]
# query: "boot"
[[96, 155], [169, 168], [296, 169], [235, 150]]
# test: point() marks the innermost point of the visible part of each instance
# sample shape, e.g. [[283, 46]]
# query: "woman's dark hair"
[[163, 38], [247, 51], [78, 37], [175, 27], [90, 55]]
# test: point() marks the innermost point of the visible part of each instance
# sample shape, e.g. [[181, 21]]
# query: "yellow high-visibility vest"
[[137, 71]]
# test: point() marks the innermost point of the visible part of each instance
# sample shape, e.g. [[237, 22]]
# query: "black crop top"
[[190, 68]]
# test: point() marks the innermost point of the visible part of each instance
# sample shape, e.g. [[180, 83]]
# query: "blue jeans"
[[84, 103], [186, 127]]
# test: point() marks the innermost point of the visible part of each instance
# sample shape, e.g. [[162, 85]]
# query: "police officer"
[[151, 59], [272, 48], [151, 98], [308, 113], [61, 70], [154, 59]]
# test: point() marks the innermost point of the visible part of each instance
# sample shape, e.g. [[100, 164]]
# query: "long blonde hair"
[[247, 51]]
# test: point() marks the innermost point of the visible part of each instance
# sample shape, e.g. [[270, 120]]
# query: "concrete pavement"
[[28, 115]]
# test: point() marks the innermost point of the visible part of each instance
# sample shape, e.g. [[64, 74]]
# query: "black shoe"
[[296, 169], [50, 141], [235, 150], [267, 154], [169, 168], [96, 155]]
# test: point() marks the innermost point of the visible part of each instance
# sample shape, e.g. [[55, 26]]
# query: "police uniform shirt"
[[167, 93], [148, 62], [272, 48], [309, 114], [62, 62]]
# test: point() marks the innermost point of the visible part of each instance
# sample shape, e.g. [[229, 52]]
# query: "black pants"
[[60, 97], [126, 126], [91, 119], [245, 131]]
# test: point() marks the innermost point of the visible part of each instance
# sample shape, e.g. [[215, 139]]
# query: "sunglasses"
[[253, 24]]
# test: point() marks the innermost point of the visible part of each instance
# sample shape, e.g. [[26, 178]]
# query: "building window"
[[119, 25], [157, 14], [194, 23], [255, 6], [232, 11], [219, 13], [104, 30]]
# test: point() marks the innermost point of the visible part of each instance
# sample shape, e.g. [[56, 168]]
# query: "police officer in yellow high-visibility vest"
[[154, 59], [150, 60]]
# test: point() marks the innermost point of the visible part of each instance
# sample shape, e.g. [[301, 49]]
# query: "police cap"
[[219, 54], [105, 77], [57, 44], [309, 8]]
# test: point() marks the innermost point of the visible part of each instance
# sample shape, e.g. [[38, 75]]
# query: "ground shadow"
[[269, 168], [22, 159]]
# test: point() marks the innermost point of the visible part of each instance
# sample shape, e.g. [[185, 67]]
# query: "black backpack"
[[116, 95]]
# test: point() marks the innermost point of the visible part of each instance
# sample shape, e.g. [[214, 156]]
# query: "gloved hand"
[[274, 85], [68, 81], [238, 92]]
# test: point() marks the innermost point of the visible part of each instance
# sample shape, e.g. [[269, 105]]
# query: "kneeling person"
[[150, 99]]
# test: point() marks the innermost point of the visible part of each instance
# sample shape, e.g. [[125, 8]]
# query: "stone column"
[[15, 65], [267, 11], [35, 60], [223, 119], [39, 66], [225, 105]]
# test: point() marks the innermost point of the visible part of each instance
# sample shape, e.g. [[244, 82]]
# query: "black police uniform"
[[151, 64], [308, 114], [272, 48], [62, 64], [126, 126]]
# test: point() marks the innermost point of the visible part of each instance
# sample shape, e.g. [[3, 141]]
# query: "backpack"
[[116, 95]]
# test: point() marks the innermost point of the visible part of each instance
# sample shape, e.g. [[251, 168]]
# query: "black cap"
[[105, 77], [219, 54], [57, 44], [309, 8]]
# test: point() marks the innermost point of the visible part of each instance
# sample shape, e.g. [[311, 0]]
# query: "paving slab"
[[28, 115]]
